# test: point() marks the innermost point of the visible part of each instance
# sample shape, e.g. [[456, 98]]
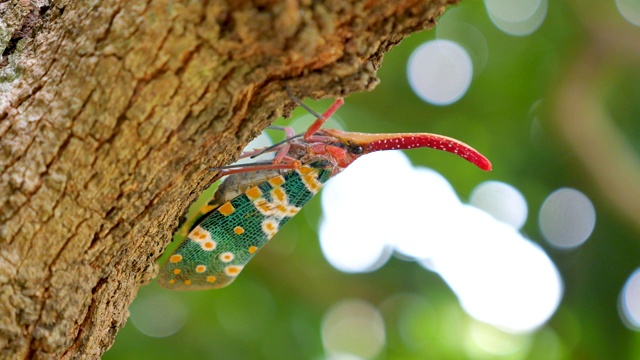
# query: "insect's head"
[[351, 145]]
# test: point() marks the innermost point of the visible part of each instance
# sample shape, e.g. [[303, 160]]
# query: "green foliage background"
[[275, 308]]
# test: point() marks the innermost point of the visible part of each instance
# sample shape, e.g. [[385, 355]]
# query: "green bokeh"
[[275, 309]]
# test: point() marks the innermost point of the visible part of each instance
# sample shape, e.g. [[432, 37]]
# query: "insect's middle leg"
[[282, 150]]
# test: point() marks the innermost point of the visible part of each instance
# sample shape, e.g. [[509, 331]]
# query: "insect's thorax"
[[333, 157], [237, 184]]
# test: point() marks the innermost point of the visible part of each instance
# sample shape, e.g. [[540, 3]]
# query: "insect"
[[257, 199]]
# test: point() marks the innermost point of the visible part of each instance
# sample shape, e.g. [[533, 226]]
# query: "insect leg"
[[289, 134], [326, 115], [321, 118], [267, 165], [288, 130], [284, 149]]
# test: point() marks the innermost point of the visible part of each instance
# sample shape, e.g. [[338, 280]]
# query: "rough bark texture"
[[110, 113]]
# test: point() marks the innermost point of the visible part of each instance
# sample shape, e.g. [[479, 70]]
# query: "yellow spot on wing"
[[253, 249], [233, 270], [279, 195], [238, 230], [226, 257], [263, 206], [198, 234], [310, 180], [187, 282], [269, 227], [277, 181], [226, 209], [211, 278], [176, 271], [304, 170], [253, 193], [201, 268], [175, 258], [208, 245], [172, 281]]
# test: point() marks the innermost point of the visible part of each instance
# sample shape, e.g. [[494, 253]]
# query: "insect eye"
[[356, 149]]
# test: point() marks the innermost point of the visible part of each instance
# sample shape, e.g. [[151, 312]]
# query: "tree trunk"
[[112, 111]]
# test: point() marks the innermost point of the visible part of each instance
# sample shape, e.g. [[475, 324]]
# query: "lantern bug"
[[257, 199]]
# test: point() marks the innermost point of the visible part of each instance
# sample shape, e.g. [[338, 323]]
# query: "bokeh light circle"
[[630, 10], [629, 302], [503, 201], [353, 328], [352, 249], [567, 218], [440, 72], [483, 339], [453, 26], [351, 207], [517, 17], [159, 315], [237, 311], [512, 10], [498, 276], [427, 215]]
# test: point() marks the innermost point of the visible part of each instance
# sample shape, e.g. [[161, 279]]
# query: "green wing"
[[228, 236]]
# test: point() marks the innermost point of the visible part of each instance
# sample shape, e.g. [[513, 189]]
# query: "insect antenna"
[[256, 166], [304, 106], [235, 166]]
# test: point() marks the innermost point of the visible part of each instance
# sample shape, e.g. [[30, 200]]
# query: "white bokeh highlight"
[[567, 218], [453, 26], [503, 201], [349, 237], [353, 329], [409, 240], [500, 277], [517, 17], [630, 10], [440, 72], [629, 302], [482, 340], [341, 241]]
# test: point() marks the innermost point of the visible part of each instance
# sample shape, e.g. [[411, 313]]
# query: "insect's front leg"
[[321, 118]]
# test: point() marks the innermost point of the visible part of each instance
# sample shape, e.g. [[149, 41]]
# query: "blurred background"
[[419, 254]]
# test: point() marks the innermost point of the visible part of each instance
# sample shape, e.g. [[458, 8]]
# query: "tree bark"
[[112, 111]]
